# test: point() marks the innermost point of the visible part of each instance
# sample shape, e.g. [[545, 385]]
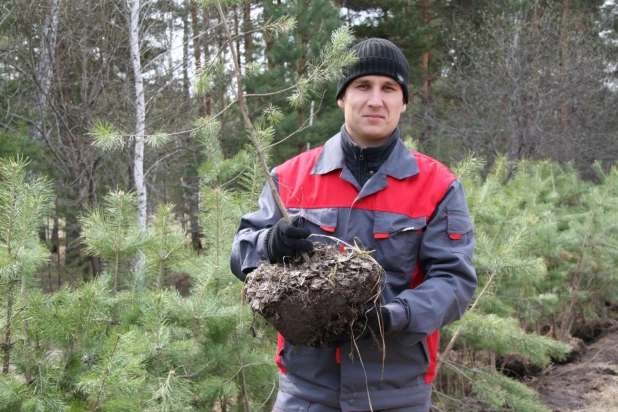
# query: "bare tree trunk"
[[427, 76], [197, 54], [44, 66], [208, 97], [564, 110], [194, 210], [55, 245], [269, 43], [246, 29], [300, 69], [96, 265], [186, 34], [6, 345], [140, 114], [27, 344], [236, 34]]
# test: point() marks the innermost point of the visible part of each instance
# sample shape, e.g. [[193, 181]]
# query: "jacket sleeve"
[[248, 249], [445, 258]]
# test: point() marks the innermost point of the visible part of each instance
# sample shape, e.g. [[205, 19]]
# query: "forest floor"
[[589, 383]]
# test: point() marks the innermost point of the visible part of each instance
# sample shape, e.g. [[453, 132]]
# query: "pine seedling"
[[508, 218], [117, 383], [500, 392], [505, 336], [253, 179], [173, 394], [69, 326], [218, 174], [23, 204], [111, 231], [168, 243]]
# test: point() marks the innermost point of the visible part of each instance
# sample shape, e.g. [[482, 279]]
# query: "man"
[[365, 185]]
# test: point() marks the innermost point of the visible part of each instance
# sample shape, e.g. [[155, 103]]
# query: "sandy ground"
[[588, 384]]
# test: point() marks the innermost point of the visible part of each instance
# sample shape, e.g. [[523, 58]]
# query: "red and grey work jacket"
[[413, 213]]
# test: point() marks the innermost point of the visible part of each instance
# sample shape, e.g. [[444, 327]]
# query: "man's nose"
[[375, 97]]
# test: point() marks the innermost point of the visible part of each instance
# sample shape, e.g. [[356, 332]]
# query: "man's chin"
[[375, 139]]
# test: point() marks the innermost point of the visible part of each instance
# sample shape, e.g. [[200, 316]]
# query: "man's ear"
[[403, 108], [340, 102]]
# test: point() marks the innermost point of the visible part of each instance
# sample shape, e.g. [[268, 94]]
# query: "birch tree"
[[140, 112]]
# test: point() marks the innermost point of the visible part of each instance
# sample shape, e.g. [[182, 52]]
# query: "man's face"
[[372, 106]]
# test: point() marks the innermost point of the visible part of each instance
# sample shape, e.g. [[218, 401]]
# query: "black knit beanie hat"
[[377, 57]]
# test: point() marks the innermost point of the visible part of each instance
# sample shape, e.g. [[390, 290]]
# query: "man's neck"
[[363, 143]]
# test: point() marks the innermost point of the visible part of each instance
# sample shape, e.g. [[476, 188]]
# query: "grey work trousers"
[[288, 403]]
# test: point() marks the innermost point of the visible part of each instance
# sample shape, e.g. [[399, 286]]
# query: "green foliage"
[[203, 82], [302, 64], [272, 114], [106, 136], [168, 242], [505, 336], [280, 25], [149, 349], [546, 250], [158, 139], [12, 392], [501, 392], [545, 257], [110, 231], [334, 57], [24, 202]]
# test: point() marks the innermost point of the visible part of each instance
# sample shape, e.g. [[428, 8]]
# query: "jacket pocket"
[[423, 344], [320, 221], [459, 230], [397, 238]]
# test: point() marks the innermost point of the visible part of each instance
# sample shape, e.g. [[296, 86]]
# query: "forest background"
[[115, 290]]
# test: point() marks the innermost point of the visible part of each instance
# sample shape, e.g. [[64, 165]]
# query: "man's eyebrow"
[[364, 81]]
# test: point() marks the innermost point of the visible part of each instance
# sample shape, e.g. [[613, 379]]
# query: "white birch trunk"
[[140, 114], [44, 67]]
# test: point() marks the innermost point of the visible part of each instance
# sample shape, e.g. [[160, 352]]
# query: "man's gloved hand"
[[374, 322], [284, 240], [337, 341], [378, 321]]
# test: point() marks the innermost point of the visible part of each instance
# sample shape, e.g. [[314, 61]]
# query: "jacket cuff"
[[398, 315], [262, 246]]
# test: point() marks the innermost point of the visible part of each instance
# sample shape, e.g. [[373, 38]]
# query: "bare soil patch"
[[306, 302], [588, 384]]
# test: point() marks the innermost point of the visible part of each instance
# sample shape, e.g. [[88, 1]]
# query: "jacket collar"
[[400, 164]]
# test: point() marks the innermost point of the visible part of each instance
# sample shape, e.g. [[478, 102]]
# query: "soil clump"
[[307, 302]]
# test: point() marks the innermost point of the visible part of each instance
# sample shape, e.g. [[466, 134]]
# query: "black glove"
[[337, 341], [334, 341], [285, 240], [378, 321], [364, 328]]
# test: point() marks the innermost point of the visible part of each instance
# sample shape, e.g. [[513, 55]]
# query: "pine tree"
[[291, 58], [24, 201], [511, 276]]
